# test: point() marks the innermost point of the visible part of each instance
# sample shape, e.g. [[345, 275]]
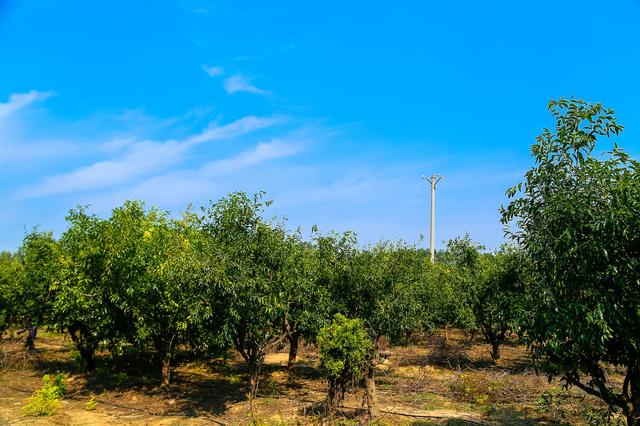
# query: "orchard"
[[223, 282]]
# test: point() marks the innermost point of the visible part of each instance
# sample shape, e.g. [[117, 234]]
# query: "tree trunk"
[[633, 414], [370, 392], [254, 378], [166, 368], [446, 336], [87, 352], [333, 397], [495, 350], [472, 336], [87, 355], [30, 343], [166, 351], [294, 341]]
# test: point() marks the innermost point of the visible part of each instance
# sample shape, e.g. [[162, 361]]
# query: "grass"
[[450, 380]]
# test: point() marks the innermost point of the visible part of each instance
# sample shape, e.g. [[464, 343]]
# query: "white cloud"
[[141, 159], [237, 128], [239, 83], [21, 100], [177, 188], [213, 71], [262, 152]]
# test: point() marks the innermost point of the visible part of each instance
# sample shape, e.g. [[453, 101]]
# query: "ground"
[[435, 380]]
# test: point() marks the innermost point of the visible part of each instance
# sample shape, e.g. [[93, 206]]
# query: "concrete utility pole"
[[433, 180]]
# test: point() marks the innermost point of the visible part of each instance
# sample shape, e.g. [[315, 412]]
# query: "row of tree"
[[227, 277]]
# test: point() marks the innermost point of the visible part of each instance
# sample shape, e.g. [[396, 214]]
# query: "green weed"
[[46, 400]]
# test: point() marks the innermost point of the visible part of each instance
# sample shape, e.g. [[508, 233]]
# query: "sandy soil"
[[429, 382]]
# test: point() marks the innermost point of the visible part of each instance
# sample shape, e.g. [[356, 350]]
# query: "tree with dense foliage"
[[253, 257], [307, 302], [344, 349], [11, 277], [85, 306], [150, 259], [380, 285], [459, 272], [499, 298], [576, 217], [42, 264]]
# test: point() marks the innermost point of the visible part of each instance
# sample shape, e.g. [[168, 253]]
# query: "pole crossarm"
[[430, 179]]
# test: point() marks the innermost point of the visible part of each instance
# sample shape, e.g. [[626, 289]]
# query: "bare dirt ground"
[[432, 381]]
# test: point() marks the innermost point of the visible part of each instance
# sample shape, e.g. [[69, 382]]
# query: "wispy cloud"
[[262, 152], [179, 187], [214, 71], [21, 100], [141, 158], [239, 83], [237, 128]]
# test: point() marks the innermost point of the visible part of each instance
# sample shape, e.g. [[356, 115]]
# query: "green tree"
[[42, 260], [306, 301], [252, 255], [380, 285], [459, 277], [576, 216], [11, 278], [499, 297], [344, 349], [84, 305], [152, 268]]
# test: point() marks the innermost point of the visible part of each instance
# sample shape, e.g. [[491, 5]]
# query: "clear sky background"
[[335, 108]]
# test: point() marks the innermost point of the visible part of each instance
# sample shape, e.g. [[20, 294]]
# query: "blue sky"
[[335, 109]]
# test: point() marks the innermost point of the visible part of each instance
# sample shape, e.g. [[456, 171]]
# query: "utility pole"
[[433, 180]]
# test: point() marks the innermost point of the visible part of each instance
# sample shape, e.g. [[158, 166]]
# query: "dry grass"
[[431, 382]]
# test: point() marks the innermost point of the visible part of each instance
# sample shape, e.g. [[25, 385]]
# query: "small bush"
[[46, 400], [344, 347], [91, 404]]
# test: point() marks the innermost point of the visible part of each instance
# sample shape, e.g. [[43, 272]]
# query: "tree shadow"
[[319, 411], [511, 416], [193, 393]]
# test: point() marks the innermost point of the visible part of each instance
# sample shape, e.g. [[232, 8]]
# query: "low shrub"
[[46, 400]]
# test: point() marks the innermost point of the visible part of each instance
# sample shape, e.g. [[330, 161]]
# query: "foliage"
[[252, 255], [41, 256], [86, 304], [91, 404], [500, 298], [461, 262], [46, 400], [150, 258], [576, 218], [307, 302], [11, 278], [344, 350]]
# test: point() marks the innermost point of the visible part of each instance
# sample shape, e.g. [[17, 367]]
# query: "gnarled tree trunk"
[[87, 351], [632, 390], [294, 342], [495, 351], [32, 332], [370, 392], [335, 394]]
